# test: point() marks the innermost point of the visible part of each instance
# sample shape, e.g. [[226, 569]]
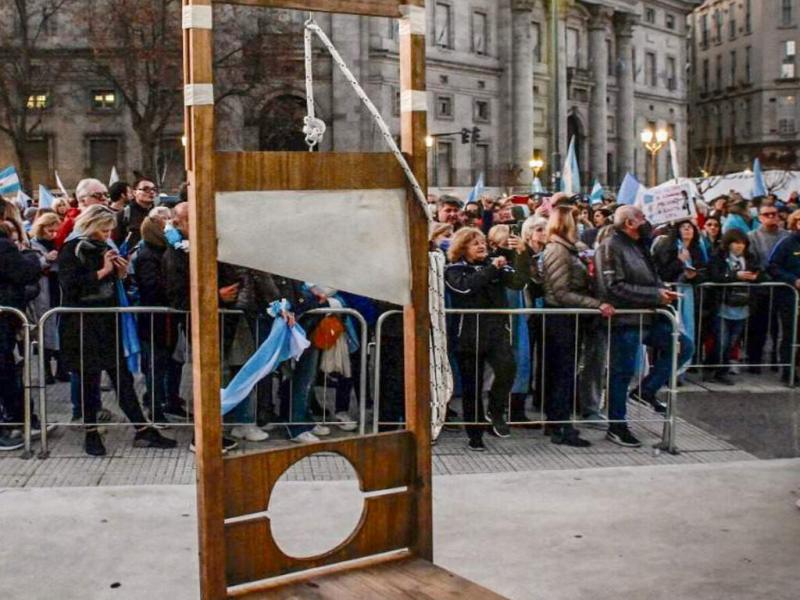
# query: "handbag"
[[327, 332]]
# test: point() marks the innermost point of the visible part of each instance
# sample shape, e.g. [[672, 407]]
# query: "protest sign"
[[668, 204]]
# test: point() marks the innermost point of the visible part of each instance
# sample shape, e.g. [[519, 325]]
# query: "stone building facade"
[[745, 84], [618, 66]]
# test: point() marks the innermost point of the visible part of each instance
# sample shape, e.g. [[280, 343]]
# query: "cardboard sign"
[[668, 204]]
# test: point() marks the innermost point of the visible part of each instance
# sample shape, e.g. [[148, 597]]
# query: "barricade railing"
[[668, 438], [772, 314], [25, 327], [152, 312]]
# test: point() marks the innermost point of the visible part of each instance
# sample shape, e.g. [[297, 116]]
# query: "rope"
[[312, 27], [313, 128]]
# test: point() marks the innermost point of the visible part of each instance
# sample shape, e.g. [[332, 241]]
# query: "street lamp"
[[429, 141], [654, 140], [536, 164]]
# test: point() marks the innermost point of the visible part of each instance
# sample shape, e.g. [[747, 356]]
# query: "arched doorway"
[[281, 125]]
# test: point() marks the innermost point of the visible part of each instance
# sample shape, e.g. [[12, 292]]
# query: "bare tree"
[[23, 68]]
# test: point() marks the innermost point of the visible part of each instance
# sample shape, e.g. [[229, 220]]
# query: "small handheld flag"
[[673, 153], [571, 177], [629, 190], [477, 191], [536, 186], [596, 197], [114, 176], [759, 183], [45, 197], [9, 180], [61, 186]]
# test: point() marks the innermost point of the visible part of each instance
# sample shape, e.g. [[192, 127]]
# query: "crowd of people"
[[599, 268]]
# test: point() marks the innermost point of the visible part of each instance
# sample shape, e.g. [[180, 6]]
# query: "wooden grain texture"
[[253, 555], [263, 171], [409, 579], [369, 8], [382, 461], [417, 313], [198, 57]]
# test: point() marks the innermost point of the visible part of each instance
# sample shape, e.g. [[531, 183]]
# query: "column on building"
[[598, 111], [522, 88], [626, 122], [346, 106]]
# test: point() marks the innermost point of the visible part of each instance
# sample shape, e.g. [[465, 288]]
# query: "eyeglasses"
[[99, 195], [147, 190], [769, 214]]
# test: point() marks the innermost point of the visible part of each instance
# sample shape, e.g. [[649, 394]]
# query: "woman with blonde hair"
[[43, 235], [477, 281], [567, 284], [88, 271]]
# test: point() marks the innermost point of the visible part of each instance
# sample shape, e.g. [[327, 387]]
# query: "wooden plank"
[[417, 313], [198, 57], [382, 461], [261, 171], [368, 8], [410, 579], [253, 555]]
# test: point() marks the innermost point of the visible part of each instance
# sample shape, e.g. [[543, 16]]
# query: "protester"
[[738, 216], [712, 235], [88, 270], [88, 192], [120, 195], [784, 266], [129, 219], [447, 210], [478, 282]]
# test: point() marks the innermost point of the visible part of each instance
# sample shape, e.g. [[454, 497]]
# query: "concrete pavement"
[[695, 532]]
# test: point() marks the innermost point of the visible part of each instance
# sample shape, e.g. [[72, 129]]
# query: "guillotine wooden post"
[[235, 541]]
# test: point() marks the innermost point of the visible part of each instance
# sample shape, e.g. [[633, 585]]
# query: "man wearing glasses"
[[762, 242], [88, 193], [129, 220]]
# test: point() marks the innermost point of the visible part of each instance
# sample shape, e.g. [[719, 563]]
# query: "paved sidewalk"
[[694, 532]]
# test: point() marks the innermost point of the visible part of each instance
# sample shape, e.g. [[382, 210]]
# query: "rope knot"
[[314, 130]]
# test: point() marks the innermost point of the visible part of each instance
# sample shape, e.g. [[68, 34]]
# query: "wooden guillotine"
[[389, 554]]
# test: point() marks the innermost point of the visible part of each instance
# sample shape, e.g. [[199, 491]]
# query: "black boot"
[[569, 436], [93, 443]]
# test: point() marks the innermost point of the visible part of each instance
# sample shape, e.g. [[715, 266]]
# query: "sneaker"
[[227, 444], [250, 433], [345, 422], [569, 436], [321, 430], [619, 434], [93, 443], [305, 438], [723, 379], [595, 421], [9, 444], [499, 427], [650, 401], [150, 438], [176, 410], [105, 416], [476, 445]]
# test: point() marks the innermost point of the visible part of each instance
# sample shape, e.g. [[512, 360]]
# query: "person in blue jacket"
[[784, 266]]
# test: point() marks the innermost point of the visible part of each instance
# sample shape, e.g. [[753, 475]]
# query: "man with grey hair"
[[88, 192], [627, 278]]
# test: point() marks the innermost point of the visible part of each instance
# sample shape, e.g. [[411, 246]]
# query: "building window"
[[748, 117], [573, 47], [787, 106], [444, 107], [103, 156], [650, 15], [786, 12], [38, 101], [748, 66], [650, 74], [732, 21], [443, 25], [444, 163], [480, 164], [718, 26], [787, 67], [480, 33], [104, 99], [669, 21], [481, 111], [672, 74], [610, 58], [748, 16], [395, 102], [733, 67], [719, 72], [706, 71], [704, 30], [732, 121], [537, 42]]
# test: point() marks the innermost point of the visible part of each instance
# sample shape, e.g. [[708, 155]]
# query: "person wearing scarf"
[[90, 271]]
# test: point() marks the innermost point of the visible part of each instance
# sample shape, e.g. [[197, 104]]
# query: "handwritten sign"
[[668, 204]]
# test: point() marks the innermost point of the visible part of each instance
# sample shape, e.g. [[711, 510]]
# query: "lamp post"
[[536, 164], [654, 140]]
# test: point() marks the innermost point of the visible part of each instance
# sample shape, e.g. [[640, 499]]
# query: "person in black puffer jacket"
[[19, 270], [784, 266], [476, 282], [88, 269]]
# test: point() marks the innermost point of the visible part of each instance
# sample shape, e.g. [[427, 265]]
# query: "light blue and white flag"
[[571, 175], [477, 191], [673, 155], [759, 183], [9, 180], [60, 185], [596, 196], [629, 190], [45, 197], [114, 178], [536, 186], [23, 201]]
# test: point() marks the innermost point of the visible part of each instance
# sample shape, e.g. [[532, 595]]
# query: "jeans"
[[625, 342], [121, 381], [763, 322], [12, 405], [294, 392], [560, 366], [727, 333]]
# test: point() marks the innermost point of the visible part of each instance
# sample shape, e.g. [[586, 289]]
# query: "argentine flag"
[[629, 190], [571, 175], [9, 180], [596, 196], [759, 183], [477, 191], [45, 197]]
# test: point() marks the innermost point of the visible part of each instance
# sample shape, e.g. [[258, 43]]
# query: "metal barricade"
[[141, 311], [668, 438], [782, 307], [26, 377]]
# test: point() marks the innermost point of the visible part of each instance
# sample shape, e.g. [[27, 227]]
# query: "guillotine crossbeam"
[[364, 8]]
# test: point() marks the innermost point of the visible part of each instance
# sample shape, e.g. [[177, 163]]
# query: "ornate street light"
[[654, 141]]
